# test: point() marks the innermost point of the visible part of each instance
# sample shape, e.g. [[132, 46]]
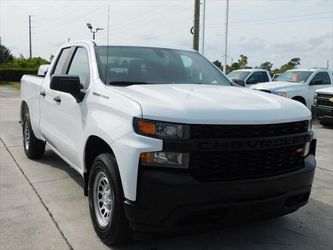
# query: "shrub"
[[15, 75]]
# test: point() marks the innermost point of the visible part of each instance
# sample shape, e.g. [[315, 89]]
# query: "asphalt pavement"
[[42, 205]]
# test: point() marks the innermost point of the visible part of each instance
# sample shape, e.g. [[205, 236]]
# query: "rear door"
[[64, 118]]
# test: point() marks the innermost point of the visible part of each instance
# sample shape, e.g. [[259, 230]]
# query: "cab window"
[[80, 66], [323, 76], [62, 62]]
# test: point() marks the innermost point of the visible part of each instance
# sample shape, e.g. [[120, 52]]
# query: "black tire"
[[33, 147], [115, 230], [326, 124]]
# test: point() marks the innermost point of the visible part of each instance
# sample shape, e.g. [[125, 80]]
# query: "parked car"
[[164, 142], [323, 105], [298, 84], [247, 77], [275, 76]]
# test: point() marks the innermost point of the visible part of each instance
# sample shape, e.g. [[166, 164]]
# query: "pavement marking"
[[39, 197]]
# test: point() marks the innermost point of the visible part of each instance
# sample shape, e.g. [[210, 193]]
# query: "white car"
[[323, 105], [248, 77], [164, 142], [298, 84]]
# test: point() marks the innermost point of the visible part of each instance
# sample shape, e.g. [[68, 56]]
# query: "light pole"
[[226, 38], [93, 31]]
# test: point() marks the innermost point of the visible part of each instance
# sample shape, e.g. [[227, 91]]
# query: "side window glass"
[[264, 77], [323, 76], [254, 78], [60, 67], [80, 66]]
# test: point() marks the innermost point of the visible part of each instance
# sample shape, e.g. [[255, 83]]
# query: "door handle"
[[42, 93], [57, 99]]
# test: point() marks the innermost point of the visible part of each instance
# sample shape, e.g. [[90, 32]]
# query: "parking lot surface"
[[42, 205]]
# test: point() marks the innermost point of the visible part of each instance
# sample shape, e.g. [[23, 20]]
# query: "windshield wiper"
[[127, 83]]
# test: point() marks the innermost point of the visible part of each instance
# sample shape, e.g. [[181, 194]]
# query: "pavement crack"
[[39, 197], [325, 169]]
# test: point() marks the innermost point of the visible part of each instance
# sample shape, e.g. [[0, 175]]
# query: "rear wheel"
[[106, 201], [33, 147]]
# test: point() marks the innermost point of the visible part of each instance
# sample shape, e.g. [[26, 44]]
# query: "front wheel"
[[106, 200], [33, 147]]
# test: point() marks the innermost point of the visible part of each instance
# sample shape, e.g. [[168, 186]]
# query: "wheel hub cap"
[[26, 135], [103, 198]]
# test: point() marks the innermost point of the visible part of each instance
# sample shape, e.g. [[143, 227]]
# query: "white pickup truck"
[[249, 77], [164, 142], [298, 84]]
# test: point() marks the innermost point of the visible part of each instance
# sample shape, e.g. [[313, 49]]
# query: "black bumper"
[[323, 114], [174, 202]]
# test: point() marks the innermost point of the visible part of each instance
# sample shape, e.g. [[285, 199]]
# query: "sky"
[[263, 30]]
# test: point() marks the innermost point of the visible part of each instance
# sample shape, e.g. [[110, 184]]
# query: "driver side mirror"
[[251, 81], [316, 82], [68, 84]]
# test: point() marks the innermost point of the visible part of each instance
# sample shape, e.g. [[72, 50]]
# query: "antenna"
[[107, 45]]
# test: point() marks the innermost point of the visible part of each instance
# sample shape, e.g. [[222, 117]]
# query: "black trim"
[[170, 201], [324, 114], [236, 144]]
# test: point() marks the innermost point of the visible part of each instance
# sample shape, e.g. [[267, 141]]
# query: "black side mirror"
[[68, 84], [239, 82], [251, 81], [316, 82]]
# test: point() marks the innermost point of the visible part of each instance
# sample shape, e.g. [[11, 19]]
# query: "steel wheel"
[[26, 135], [103, 199]]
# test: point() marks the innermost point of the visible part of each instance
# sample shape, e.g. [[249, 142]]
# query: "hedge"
[[15, 75]]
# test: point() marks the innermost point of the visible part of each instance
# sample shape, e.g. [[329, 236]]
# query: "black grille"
[[232, 165], [323, 100], [247, 131]]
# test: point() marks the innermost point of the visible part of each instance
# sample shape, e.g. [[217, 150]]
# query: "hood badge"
[[331, 99]]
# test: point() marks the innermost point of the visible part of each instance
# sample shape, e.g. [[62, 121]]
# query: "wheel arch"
[[299, 99], [94, 146], [23, 106]]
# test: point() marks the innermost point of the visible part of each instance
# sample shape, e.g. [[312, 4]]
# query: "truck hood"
[[212, 104], [278, 85]]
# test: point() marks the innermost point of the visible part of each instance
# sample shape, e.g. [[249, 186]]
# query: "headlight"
[[280, 93], [165, 159], [162, 130], [315, 99]]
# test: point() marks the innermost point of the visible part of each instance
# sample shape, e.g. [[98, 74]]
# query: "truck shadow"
[[51, 159]]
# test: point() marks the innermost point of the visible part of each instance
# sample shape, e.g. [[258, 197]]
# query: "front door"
[[62, 118]]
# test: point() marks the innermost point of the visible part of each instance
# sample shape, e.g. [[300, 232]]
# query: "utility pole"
[[203, 26], [196, 27], [30, 46], [226, 38]]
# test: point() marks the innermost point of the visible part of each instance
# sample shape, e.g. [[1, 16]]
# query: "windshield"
[[238, 75], [122, 66], [294, 76]]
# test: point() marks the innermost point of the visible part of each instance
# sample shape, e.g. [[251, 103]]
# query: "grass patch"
[[15, 85]]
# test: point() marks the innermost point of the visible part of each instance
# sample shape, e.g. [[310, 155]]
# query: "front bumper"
[[173, 202], [323, 114]]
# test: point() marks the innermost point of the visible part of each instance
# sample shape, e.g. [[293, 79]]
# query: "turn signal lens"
[[146, 127], [162, 130]]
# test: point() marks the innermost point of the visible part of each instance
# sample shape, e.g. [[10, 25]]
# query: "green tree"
[[267, 66], [5, 55], [242, 61], [218, 64], [290, 65]]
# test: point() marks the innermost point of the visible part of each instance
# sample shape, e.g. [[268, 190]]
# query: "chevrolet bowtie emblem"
[[331, 99]]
